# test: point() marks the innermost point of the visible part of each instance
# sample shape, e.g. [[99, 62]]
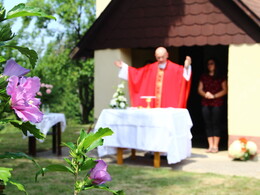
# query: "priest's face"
[[161, 55]]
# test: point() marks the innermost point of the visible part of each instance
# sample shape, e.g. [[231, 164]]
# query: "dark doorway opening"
[[199, 55]]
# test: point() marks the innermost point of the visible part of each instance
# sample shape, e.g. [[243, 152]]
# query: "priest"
[[168, 82]]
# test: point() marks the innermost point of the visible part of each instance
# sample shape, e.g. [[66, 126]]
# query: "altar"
[[161, 130]]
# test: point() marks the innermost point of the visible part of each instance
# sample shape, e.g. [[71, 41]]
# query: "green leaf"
[[119, 192], [54, 168], [18, 155], [95, 144], [70, 145], [13, 155], [88, 187], [2, 59], [68, 161], [27, 126], [21, 10], [3, 81], [19, 186], [88, 164], [73, 154], [4, 121], [82, 136], [2, 13], [81, 185], [91, 138], [2, 91], [29, 53], [5, 174], [106, 188], [6, 33]]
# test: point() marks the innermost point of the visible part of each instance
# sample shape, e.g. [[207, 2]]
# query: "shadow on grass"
[[147, 161]]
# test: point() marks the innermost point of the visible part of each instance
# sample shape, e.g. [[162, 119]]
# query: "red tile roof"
[[150, 23]]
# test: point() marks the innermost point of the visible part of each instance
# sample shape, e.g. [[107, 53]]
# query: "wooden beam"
[[133, 153], [58, 125], [120, 156], [157, 160], [32, 146], [54, 139]]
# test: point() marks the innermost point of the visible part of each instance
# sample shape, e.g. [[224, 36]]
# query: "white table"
[[164, 130], [54, 121]]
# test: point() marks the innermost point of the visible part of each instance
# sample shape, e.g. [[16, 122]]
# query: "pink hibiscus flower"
[[99, 173], [14, 69], [23, 91]]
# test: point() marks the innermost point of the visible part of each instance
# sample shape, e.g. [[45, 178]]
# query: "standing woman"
[[212, 87]]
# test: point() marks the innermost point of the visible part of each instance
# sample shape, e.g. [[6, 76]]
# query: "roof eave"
[[240, 18]]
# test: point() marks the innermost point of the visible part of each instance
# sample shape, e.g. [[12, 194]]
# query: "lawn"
[[133, 179]]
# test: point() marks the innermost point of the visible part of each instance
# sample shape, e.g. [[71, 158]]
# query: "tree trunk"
[[86, 95], [2, 187]]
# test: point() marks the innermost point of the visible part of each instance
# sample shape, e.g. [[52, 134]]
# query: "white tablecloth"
[[50, 120], [158, 129]]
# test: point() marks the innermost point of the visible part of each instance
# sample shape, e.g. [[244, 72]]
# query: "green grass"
[[12, 139], [133, 179]]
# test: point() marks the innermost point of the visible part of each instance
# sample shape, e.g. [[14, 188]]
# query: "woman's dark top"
[[213, 85]]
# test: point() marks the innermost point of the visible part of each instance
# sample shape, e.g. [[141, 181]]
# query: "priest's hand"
[[187, 62], [118, 63]]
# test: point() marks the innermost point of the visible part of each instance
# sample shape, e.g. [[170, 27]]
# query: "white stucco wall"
[[106, 76], [244, 90], [100, 6]]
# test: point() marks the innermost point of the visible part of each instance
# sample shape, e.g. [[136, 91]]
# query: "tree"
[[73, 80]]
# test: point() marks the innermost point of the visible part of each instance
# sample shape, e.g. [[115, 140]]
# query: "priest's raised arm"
[[167, 81]]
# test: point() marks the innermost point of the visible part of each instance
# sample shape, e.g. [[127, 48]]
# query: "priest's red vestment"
[[168, 85]]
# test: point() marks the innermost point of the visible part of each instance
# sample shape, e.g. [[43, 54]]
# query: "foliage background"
[[72, 81]]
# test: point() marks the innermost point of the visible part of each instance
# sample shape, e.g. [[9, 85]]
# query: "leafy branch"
[[6, 34], [80, 162]]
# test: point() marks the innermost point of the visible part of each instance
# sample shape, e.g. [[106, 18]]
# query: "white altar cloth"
[[50, 120], [157, 129]]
